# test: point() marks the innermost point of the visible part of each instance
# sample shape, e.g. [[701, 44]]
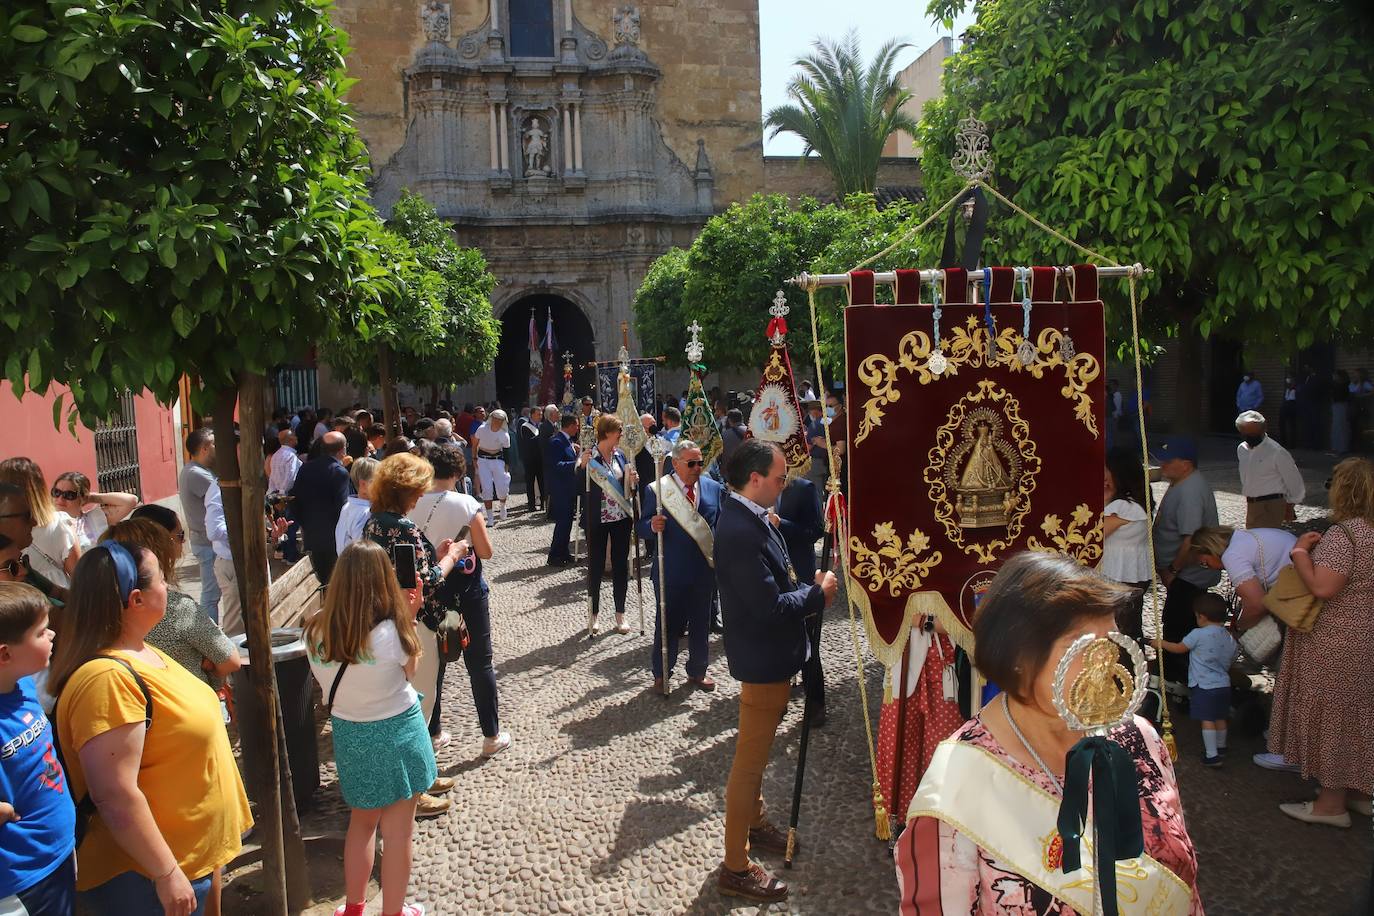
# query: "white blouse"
[[1126, 555]]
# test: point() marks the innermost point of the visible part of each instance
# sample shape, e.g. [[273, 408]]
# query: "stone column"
[[501, 144], [495, 15], [577, 137], [567, 16], [567, 137], [495, 154]]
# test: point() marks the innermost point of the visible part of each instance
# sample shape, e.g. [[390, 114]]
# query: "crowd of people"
[[397, 528]]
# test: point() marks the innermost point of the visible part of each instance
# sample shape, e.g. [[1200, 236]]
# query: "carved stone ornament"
[[469, 47], [596, 49], [627, 26], [534, 144], [435, 17]]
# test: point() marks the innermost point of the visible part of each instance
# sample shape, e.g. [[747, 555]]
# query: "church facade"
[[572, 142]]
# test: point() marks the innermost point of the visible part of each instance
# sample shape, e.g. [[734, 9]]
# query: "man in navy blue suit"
[[318, 495], [801, 524], [561, 468], [765, 605], [691, 504]]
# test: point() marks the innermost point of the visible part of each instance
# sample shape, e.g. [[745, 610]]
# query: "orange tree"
[[182, 192]]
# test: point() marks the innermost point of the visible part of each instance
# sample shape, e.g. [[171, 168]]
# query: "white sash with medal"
[[1013, 819], [674, 501], [609, 486]]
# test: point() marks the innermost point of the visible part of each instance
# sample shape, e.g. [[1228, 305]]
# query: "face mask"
[[1253, 441], [830, 413]]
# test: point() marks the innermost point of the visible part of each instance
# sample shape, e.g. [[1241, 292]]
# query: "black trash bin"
[[297, 699]]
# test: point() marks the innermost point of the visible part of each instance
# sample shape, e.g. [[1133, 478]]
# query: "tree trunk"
[[434, 394], [265, 792], [287, 888], [391, 404]]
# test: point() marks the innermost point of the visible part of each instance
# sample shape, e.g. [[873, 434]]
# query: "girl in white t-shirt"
[[493, 478], [363, 650], [1125, 531]]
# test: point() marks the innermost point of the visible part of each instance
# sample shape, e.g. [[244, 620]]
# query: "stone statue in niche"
[[435, 17], [627, 26], [535, 142]]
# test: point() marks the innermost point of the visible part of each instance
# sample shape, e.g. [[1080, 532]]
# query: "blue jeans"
[[209, 585], [131, 894]]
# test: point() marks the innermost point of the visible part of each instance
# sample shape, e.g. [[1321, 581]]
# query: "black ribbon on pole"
[[1116, 811]]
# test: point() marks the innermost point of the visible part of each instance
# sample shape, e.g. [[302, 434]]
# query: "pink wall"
[[29, 432]]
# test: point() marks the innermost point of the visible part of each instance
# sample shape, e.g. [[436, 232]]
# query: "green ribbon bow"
[[1116, 811]]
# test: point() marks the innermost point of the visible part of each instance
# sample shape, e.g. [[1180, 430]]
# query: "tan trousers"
[[426, 678], [1271, 513], [230, 608], [761, 708]]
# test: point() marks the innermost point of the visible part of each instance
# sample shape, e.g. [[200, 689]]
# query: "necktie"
[[692, 494]]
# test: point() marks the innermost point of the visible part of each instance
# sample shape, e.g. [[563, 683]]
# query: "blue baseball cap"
[[1182, 447]]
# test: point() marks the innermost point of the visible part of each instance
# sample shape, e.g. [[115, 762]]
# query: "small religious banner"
[[698, 419], [777, 415], [643, 385], [975, 431]]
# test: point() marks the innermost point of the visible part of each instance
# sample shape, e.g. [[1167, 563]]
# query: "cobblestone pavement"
[[611, 799]]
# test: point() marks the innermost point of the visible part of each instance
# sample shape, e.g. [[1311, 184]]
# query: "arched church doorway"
[[571, 331]]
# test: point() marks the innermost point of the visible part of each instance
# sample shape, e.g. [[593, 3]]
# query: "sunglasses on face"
[[694, 463], [12, 568], [64, 494], [24, 515]]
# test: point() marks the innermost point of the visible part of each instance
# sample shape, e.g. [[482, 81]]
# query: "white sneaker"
[[503, 511], [493, 746], [1276, 762]]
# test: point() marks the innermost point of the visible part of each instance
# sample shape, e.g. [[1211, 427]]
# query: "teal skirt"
[[384, 761]]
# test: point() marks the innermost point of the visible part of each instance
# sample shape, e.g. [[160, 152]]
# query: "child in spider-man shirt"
[[37, 818]]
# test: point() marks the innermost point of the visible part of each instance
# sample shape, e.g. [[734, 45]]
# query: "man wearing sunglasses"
[[691, 504]]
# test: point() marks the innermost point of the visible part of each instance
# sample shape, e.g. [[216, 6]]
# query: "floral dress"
[[940, 871], [1323, 717], [388, 530]]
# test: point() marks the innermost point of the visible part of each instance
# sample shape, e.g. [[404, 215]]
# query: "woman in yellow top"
[[169, 804]]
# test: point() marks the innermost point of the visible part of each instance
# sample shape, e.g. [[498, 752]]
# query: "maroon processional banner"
[[777, 415], [976, 430]]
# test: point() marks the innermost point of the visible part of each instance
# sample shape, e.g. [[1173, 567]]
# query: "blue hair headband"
[[126, 570]]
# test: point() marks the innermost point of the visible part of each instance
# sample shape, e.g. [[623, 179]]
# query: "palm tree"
[[845, 111]]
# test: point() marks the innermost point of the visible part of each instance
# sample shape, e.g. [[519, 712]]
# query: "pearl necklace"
[[1006, 711]]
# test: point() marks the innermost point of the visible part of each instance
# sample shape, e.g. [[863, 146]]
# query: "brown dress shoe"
[[752, 884], [704, 682], [770, 839], [658, 685]]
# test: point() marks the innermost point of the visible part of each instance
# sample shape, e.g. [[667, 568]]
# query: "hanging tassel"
[[883, 826], [1169, 743]]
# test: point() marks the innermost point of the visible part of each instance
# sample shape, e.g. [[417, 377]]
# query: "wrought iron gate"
[[296, 388], [116, 450]]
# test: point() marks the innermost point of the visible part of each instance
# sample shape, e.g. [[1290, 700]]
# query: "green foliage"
[[727, 279], [410, 320], [844, 110], [442, 331], [181, 191], [1226, 146]]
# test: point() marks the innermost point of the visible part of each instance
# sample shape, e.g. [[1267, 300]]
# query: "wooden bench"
[[295, 596]]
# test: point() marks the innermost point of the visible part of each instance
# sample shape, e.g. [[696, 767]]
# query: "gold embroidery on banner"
[[1079, 540], [969, 346], [1012, 441], [904, 571], [773, 372]]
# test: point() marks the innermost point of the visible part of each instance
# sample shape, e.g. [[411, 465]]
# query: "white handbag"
[[1262, 642]]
